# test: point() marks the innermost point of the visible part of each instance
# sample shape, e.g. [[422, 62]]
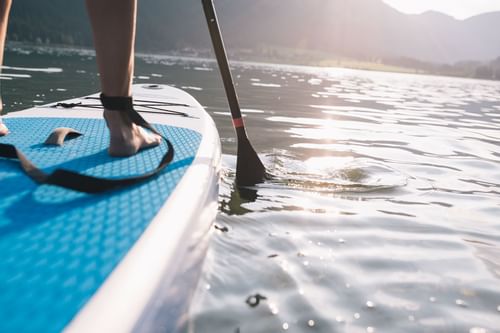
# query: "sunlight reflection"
[[326, 164]]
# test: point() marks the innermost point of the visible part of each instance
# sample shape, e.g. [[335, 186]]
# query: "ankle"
[[117, 121]]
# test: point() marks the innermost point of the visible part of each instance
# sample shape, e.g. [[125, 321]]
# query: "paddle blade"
[[249, 168]]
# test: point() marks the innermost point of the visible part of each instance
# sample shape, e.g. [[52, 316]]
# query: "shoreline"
[[295, 58]]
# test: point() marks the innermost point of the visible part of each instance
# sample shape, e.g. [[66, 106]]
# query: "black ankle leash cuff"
[[117, 103]]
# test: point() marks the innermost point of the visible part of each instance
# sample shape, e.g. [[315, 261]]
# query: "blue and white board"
[[122, 261]]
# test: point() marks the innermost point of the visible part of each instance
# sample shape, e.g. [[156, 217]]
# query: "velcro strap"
[[126, 105], [117, 103]]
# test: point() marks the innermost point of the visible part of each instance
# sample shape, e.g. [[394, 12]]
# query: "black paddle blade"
[[249, 168]]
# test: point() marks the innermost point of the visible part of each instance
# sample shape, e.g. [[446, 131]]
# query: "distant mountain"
[[366, 29]]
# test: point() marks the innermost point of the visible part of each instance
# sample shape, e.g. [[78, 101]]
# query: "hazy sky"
[[458, 8]]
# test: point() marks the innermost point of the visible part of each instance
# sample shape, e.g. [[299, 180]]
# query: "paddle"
[[249, 168]]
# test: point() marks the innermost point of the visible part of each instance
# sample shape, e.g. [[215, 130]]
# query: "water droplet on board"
[[274, 308], [357, 316], [432, 299], [461, 302], [311, 323], [477, 330], [370, 329], [370, 304], [285, 326]]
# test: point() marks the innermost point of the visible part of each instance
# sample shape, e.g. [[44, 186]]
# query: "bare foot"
[[3, 129], [126, 138]]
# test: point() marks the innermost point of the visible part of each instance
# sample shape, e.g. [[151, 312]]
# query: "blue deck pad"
[[58, 246]]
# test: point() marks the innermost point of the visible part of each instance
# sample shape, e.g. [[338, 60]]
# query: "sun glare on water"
[[320, 165]]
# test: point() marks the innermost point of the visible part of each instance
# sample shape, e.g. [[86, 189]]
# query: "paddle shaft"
[[249, 168], [227, 78]]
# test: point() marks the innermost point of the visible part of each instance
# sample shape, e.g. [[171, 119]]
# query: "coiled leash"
[[83, 183]]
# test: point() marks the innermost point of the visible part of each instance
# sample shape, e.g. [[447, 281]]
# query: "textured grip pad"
[[58, 246]]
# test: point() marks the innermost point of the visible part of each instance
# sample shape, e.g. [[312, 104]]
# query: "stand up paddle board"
[[119, 261]]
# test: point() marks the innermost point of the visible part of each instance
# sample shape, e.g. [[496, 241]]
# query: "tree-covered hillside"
[[368, 30], [54, 21], [162, 25]]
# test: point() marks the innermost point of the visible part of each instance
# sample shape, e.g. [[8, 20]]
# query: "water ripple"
[[381, 215]]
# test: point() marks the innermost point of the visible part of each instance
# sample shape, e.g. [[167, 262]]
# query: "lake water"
[[383, 212]]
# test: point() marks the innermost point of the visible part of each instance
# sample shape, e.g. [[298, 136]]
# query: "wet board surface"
[[59, 247]]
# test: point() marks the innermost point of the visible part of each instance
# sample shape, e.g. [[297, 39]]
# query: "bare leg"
[[4, 18], [113, 25]]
